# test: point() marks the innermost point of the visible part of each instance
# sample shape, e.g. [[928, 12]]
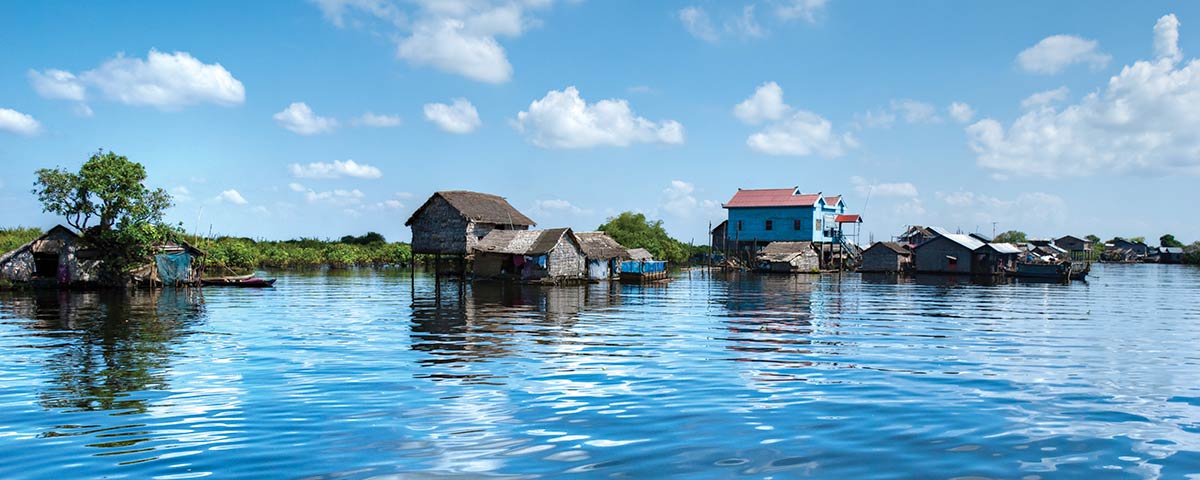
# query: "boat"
[[244, 281], [1053, 270]]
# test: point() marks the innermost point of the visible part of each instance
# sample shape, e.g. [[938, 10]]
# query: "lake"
[[348, 375]]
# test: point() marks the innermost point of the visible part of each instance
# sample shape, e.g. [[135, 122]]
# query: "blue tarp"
[[634, 266], [174, 268]]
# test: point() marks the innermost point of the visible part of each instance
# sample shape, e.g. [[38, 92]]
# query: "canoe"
[[217, 280], [251, 282]]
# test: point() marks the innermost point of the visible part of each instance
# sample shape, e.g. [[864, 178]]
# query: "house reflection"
[[106, 345]]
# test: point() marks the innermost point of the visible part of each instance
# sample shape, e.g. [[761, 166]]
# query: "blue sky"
[[282, 119]]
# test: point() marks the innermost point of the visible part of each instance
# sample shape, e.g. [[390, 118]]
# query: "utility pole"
[[994, 230]]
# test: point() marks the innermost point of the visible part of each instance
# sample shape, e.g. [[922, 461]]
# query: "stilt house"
[[453, 222]]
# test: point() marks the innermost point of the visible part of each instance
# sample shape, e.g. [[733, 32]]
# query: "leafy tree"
[[1011, 236], [1092, 238], [633, 230], [1138, 239], [368, 239], [1191, 253], [109, 189], [1169, 240]]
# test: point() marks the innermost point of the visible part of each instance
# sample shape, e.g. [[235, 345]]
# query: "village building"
[[604, 255], [789, 257], [1073, 244], [55, 258], [916, 235], [981, 237], [759, 217], [720, 241], [1169, 255], [640, 255], [955, 253], [887, 257], [453, 222], [551, 256], [994, 259]]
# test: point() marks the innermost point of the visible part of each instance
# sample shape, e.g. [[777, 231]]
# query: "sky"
[[277, 120]]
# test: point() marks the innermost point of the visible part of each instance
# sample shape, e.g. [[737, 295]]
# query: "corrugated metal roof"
[[772, 197], [1004, 247], [965, 240]]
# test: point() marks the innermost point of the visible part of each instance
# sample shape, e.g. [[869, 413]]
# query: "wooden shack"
[[55, 258], [550, 256], [788, 257], [994, 259], [916, 235], [1073, 244], [453, 222], [887, 257], [640, 255], [604, 255], [948, 253]]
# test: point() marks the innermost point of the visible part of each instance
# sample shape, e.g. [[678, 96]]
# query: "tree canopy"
[[1011, 236], [633, 230], [108, 189], [1169, 240]]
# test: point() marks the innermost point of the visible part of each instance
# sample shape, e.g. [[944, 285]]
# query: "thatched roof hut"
[[640, 254], [553, 254], [452, 222], [789, 257]]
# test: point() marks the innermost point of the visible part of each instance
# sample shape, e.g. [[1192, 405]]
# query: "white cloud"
[[167, 81], [961, 112], [1048, 97], [458, 117], [696, 21], [558, 206], [339, 11], [300, 119], [1144, 121], [678, 200], [881, 118], [1166, 38], [57, 84], [865, 187], [562, 119], [914, 111], [19, 123], [746, 25], [181, 194], [392, 204], [337, 169], [447, 45], [338, 197], [231, 196], [792, 132], [83, 110], [1057, 52], [765, 104], [296, 187], [807, 10], [379, 121]]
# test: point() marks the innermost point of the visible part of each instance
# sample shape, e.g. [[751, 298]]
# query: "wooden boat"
[[244, 281], [1058, 271]]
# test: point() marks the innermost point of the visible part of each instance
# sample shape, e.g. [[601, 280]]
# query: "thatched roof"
[[600, 246], [40, 244], [784, 251], [523, 242], [480, 207], [640, 254]]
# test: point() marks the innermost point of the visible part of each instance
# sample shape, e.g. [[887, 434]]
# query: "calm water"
[[344, 375]]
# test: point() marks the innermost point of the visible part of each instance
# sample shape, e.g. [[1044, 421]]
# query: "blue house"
[[758, 217]]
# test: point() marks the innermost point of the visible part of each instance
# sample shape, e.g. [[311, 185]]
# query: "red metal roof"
[[833, 200], [847, 218], [771, 197]]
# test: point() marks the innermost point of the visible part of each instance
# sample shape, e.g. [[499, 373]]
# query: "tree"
[[1169, 240], [633, 230], [1011, 236], [110, 190], [1138, 239], [1191, 254], [368, 239], [1092, 238]]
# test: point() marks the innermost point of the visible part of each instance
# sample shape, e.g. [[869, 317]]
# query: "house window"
[[817, 225], [952, 262], [795, 224], [739, 225], [770, 224]]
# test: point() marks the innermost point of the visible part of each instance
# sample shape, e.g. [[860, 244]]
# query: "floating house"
[[550, 256], [453, 222], [175, 265], [1073, 244], [604, 255], [55, 258], [955, 253], [759, 217], [720, 238], [916, 235], [994, 259], [1169, 255], [789, 257], [887, 257]]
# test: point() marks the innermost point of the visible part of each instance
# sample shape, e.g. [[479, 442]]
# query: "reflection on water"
[[344, 374]]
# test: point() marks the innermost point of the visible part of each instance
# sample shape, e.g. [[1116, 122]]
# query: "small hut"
[[453, 222], [995, 259], [640, 255], [1073, 244], [788, 257], [174, 265], [887, 257], [604, 255], [946, 252], [916, 235], [55, 258], [551, 256]]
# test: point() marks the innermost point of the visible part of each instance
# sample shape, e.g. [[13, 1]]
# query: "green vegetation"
[[1191, 254], [108, 189], [1011, 236], [11, 238], [1169, 240], [633, 230], [242, 254]]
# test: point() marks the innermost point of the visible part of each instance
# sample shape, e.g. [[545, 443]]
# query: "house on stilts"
[[451, 223]]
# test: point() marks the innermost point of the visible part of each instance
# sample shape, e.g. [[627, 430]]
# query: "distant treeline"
[[238, 254]]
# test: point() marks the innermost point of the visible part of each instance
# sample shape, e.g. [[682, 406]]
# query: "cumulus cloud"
[[166, 81], [458, 117], [181, 194], [697, 22], [792, 131], [1166, 38], [338, 197], [19, 123], [1144, 121], [907, 109], [866, 187], [336, 169], [961, 112], [1057, 52], [806, 10], [679, 200], [300, 119], [231, 196], [379, 121], [562, 119], [1048, 97], [765, 104], [460, 37]]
